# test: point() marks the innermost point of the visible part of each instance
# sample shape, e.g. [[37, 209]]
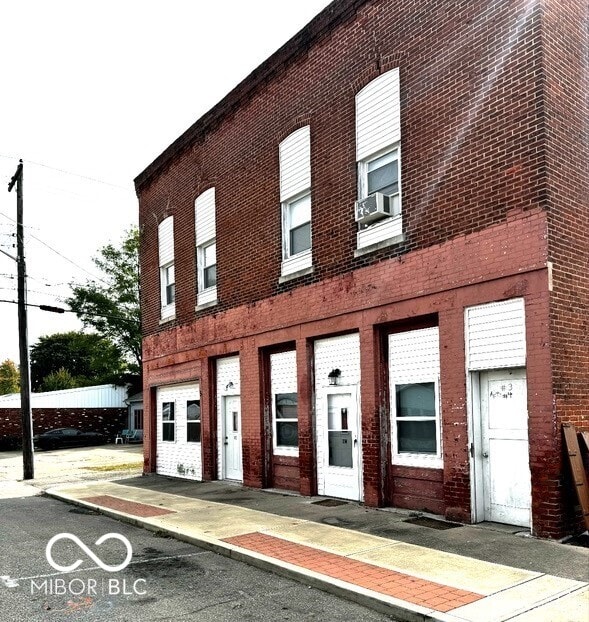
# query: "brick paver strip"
[[129, 507], [382, 580]]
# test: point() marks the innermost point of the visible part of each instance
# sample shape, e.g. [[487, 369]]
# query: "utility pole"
[[25, 381]]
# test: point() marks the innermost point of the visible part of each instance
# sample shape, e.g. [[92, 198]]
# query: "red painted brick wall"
[[108, 421], [471, 144], [495, 153]]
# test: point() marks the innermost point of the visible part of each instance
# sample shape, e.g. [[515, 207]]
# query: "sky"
[[92, 92]]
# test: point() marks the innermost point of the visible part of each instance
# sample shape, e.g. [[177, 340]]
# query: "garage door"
[[178, 434]]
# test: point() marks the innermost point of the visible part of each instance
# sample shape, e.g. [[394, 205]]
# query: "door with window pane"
[[232, 460], [342, 440]]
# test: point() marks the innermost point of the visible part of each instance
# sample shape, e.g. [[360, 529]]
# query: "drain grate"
[[432, 523], [330, 503]]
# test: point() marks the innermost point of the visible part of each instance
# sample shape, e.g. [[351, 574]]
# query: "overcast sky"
[[92, 92]]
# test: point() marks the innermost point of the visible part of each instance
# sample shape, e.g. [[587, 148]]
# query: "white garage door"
[[178, 434]]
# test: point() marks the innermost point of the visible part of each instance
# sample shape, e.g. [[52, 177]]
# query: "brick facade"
[[494, 153]]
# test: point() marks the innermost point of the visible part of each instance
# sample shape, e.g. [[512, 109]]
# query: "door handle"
[[355, 442], [485, 454]]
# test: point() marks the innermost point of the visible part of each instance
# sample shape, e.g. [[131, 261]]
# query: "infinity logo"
[[89, 553]]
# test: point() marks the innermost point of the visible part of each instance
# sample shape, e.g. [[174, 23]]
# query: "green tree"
[[58, 380], [111, 307], [9, 377], [87, 357]]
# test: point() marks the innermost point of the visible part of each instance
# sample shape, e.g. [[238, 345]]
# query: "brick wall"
[[107, 421], [567, 106], [471, 144]]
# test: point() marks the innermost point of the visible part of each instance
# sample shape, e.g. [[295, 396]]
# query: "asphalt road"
[[165, 579]]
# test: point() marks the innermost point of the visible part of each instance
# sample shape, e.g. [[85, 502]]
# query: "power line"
[[60, 170], [59, 253], [60, 310]]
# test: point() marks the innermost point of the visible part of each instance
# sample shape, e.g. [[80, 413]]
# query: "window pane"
[[210, 254], [416, 400], [340, 449], [299, 211], [416, 437], [286, 406], [210, 275], [168, 431], [384, 179], [193, 410], [168, 411], [170, 294], [170, 275], [193, 432], [287, 434], [300, 238]]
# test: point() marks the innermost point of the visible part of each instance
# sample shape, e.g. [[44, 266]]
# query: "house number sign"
[[506, 392]]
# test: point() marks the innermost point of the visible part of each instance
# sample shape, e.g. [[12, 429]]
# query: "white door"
[[232, 461], [503, 453], [342, 452]]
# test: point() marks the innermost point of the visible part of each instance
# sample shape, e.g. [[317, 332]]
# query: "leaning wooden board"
[[577, 469]]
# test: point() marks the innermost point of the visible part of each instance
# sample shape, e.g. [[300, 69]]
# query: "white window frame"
[[429, 460], [378, 133], [287, 227], [284, 450], [295, 186], [166, 283], [283, 380], [166, 261], [205, 223], [168, 422], [193, 422], [203, 266], [364, 165]]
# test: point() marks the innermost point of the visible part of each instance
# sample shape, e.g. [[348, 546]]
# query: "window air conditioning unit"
[[375, 207]]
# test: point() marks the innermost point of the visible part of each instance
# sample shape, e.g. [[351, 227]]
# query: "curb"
[[401, 610]]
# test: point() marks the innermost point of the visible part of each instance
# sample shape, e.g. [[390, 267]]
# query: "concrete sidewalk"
[[300, 538]]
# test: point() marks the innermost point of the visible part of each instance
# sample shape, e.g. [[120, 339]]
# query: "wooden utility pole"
[[23, 341]]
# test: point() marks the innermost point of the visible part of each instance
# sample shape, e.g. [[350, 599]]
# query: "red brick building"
[[364, 271]]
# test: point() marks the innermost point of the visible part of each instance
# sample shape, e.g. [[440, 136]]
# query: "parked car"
[[67, 437]]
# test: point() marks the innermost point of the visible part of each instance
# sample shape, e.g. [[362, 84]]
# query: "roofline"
[[332, 15]]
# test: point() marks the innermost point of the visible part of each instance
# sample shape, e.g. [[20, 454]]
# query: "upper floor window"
[[166, 265], [206, 247], [378, 135], [295, 198]]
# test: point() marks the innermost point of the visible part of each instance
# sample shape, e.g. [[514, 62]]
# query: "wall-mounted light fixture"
[[228, 386], [333, 376]]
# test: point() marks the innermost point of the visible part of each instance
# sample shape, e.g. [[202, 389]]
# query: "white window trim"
[[304, 259], [282, 450], [167, 310], [389, 227], [209, 294], [428, 461], [173, 422], [190, 422]]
